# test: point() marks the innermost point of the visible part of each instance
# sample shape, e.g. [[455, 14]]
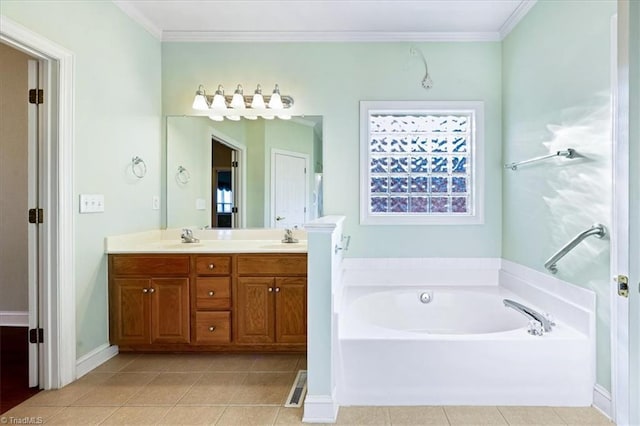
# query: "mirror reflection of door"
[[289, 187], [224, 195]]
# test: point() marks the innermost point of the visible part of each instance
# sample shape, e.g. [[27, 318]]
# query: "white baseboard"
[[14, 318], [602, 400], [320, 409], [95, 358]]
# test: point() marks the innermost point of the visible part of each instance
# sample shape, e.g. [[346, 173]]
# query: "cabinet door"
[[130, 311], [291, 310], [170, 310], [255, 310]]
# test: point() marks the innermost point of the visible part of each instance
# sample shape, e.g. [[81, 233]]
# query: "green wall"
[[556, 95], [329, 79], [117, 116], [190, 148]]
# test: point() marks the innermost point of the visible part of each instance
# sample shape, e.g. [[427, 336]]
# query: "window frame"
[[476, 149]]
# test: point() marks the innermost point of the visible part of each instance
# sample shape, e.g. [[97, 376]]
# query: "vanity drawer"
[[213, 265], [213, 327], [272, 264], [149, 265], [213, 293]]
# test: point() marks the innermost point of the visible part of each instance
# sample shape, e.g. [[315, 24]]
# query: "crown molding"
[[512, 21], [319, 36], [130, 10]]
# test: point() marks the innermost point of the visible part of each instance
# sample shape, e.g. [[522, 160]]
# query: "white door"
[[620, 229], [288, 189], [33, 236]]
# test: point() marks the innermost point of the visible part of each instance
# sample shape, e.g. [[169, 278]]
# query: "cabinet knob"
[[145, 290], [212, 328], [270, 289], [152, 290], [211, 293], [277, 289], [211, 266]]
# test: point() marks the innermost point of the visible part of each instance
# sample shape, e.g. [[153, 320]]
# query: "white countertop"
[[211, 241]]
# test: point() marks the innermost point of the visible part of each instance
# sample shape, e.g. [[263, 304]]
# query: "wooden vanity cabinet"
[[149, 300], [271, 303], [208, 302]]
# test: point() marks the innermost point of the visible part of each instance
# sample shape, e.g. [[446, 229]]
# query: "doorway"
[[19, 239], [225, 191], [57, 310]]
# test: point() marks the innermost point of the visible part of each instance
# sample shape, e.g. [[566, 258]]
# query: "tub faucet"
[[288, 236], [541, 323], [187, 236]]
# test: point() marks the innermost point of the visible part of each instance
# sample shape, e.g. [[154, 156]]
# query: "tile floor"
[[237, 390]]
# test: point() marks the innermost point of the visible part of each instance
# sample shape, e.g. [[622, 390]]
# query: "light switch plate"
[[155, 202], [201, 204], [91, 203]]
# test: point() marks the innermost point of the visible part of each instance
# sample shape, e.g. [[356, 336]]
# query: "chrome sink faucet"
[[288, 236], [539, 323], [187, 236]]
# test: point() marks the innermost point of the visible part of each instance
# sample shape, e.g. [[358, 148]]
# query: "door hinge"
[[623, 285], [36, 96], [36, 335], [36, 216], [234, 210], [234, 164]]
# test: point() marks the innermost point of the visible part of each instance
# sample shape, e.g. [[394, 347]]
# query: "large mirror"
[[243, 174]]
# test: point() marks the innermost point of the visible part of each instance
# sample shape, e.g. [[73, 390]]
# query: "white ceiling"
[[327, 20]]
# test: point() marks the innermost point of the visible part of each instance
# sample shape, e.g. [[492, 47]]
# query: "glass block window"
[[420, 162]]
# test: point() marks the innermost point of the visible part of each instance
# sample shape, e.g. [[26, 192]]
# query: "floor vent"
[[298, 390]]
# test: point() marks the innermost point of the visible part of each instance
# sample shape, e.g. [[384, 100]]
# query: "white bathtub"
[[463, 348]]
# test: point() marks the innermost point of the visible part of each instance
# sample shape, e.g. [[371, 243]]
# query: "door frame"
[[57, 290], [241, 150], [272, 208]]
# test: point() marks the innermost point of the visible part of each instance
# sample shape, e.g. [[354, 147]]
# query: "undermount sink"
[[286, 246], [180, 245]]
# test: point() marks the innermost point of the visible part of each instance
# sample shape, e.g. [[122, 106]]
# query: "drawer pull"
[[270, 289], [152, 290], [277, 289], [211, 293], [145, 290], [211, 266], [212, 328]]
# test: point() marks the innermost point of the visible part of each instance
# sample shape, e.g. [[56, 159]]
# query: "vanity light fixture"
[[251, 107]]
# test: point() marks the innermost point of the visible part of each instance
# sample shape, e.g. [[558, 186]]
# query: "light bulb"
[[237, 101], [258, 100], [284, 116], [200, 101], [219, 102], [233, 117], [276, 101], [216, 117]]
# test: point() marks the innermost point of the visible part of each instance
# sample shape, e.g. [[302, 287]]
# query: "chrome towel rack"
[[568, 153], [596, 230]]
